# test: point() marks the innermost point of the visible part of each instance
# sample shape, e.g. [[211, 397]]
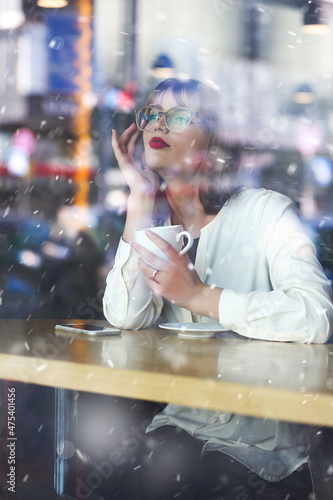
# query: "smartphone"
[[87, 329]]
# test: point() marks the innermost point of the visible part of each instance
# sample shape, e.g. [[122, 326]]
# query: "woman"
[[253, 269]]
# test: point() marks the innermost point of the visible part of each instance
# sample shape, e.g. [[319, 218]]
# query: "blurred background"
[[74, 69]]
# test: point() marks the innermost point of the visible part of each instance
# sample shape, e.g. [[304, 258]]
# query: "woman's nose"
[[160, 124]]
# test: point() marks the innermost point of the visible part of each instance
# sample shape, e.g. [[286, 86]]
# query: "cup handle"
[[189, 241]]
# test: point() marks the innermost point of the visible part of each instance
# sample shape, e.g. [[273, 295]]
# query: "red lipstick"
[[158, 143]]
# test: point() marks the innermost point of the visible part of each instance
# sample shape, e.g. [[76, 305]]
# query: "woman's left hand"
[[176, 279]]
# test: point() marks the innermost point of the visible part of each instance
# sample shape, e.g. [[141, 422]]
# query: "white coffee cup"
[[172, 234]]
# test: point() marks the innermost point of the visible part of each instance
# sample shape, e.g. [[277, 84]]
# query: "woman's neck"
[[187, 208]]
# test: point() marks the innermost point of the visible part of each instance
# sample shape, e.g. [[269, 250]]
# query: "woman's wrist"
[[138, 199], [140, 209], [139, 214], [205, 301], [144, 189]]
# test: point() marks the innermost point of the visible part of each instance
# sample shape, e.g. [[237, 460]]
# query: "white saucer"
[[194, 330]]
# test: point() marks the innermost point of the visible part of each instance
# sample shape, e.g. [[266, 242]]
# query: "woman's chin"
[[169, 170], [154, 162]]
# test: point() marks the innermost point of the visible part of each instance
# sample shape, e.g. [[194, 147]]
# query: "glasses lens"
[[177, 119], [146, 117]]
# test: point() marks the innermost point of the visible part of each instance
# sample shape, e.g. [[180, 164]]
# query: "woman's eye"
[[153, 117], [181, 119]]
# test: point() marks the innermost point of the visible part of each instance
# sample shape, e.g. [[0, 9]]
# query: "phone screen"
[[84, 326]]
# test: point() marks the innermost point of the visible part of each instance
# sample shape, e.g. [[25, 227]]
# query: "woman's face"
[[172, 153]]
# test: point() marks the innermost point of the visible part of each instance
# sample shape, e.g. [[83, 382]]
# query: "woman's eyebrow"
[[155, 105]]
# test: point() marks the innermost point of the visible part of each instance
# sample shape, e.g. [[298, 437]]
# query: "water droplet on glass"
[[57, 43]]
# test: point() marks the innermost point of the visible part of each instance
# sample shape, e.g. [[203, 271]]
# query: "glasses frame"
[[163, 113]]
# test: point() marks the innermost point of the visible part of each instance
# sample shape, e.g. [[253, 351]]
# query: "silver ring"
[[154, 274]]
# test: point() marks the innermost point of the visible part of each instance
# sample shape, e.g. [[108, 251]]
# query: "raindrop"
[[57, 43], [329, 383], [330, 470], [81, 456], [66, 449], [41, 367], [292, 168]]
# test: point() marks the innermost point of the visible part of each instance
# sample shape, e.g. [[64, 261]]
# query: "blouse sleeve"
[[128, 303], [299, 308]]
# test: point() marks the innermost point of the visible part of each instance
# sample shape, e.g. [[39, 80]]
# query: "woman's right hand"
[[141, 180]]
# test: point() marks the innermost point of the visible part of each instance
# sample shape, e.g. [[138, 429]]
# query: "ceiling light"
[[314, 20], [163, 67], [304, 94], [52, 4]]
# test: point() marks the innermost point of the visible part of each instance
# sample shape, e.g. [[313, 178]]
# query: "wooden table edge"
[[256, 401]]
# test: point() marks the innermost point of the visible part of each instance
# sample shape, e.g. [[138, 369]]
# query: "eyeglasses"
[[176, 119]]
